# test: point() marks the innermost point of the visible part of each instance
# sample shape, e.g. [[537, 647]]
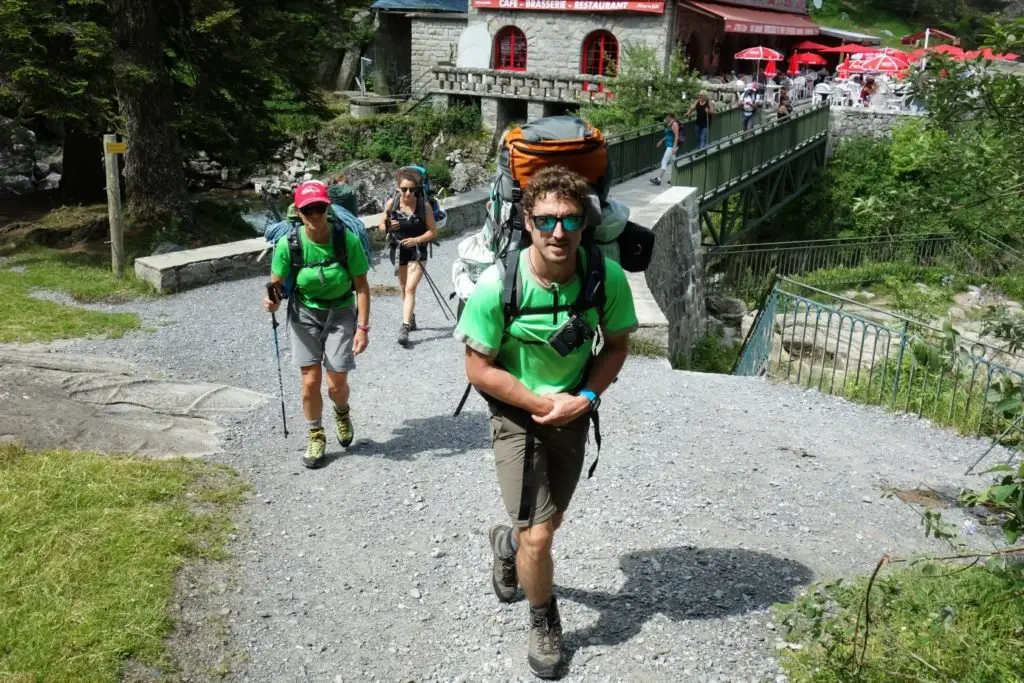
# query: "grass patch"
[[965, 626], [27, 318], [89, 548], [384, 290], [862, 17], [710, 354], [644, 346]]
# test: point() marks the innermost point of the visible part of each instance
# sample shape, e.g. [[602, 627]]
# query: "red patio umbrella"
[[844, 69], [987, 53], [811, 59], [878, 64], [951, 50], [794, 64], [895, 52], [927, 35], [850, 49], [809, 45], [759, 54], [771, 69]]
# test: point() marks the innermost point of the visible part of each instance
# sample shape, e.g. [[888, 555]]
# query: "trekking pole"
[[272, 293], [446, 309]]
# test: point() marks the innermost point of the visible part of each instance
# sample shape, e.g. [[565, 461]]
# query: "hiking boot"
[[412, 325], [503, 571], [343, 426], [403, 334], [314, 456], [655, 181], [545, 655]]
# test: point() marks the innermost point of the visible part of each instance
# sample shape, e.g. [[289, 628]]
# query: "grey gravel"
[[716, 497]]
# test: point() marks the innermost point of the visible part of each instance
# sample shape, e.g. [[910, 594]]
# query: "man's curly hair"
[[558, 181]]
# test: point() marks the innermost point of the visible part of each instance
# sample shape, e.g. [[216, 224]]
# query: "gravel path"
[[716, 497]]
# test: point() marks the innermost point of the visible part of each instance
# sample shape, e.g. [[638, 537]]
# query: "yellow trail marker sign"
[[116, 148]]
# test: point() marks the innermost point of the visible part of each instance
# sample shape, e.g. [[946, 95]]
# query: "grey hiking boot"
[[503, 571], [403, 334], [314, 456], [412, 325], [545, 655]]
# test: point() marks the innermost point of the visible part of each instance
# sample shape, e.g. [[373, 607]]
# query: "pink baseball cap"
[[311, 192]]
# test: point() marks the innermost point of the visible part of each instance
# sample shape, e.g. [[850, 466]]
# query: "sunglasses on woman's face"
[[313, 209], [407, 190], [570, 223]]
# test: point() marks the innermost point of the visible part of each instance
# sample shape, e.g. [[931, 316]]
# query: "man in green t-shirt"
[[321, 312], [542, 385]]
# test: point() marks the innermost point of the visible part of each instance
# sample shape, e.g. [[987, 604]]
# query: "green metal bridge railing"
[[730, 161], [635, 152], [821, 340]]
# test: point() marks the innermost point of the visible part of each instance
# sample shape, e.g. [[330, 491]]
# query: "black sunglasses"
[[405, 190], [313, 209]]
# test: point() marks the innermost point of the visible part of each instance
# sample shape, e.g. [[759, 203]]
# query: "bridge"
[[742, 178]]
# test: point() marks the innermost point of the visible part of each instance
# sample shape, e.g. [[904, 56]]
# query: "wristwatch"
[[595, 400]]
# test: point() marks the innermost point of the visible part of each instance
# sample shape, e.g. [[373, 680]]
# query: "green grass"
[[642, 346], [863, 18], [710, 354], [88, 551], [27, 319], [927, 624]]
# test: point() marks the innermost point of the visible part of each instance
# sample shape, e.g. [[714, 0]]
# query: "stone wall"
[[181, 270], [675, 276], [435, 40], [390, 52], [846, 123], [554, 40]]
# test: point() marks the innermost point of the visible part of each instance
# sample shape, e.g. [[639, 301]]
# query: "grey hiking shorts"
[[533, 492], [323, 336]]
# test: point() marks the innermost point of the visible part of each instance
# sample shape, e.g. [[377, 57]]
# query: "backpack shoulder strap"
[[512, 285], [592, 293], [340, 238], [295, 248]]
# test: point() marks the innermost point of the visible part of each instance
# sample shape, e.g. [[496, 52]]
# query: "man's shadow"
[[684, 583], [437, 435]]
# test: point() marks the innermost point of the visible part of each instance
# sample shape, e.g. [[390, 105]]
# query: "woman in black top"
[[785, 109], [410, 225]]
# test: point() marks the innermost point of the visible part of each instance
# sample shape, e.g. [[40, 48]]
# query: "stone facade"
[[435, 41], [846, 123], [554, 40]]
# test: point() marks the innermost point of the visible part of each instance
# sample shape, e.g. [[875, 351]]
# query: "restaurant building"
[[527, 58]]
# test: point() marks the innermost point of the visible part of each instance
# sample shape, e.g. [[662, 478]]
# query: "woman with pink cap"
[[328, 328]]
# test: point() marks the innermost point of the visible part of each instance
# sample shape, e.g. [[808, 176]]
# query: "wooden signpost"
[[111, 148]]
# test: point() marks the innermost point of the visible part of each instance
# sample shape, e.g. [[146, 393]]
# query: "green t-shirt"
[[537, 365], [314, 290]]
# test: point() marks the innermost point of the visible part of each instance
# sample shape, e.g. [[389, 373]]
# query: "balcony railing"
[[520, 85]]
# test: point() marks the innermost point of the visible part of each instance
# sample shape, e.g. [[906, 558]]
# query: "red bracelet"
[[364, 328]]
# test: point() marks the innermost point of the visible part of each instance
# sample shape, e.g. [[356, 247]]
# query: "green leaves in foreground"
[[88, 548], [930, 623]]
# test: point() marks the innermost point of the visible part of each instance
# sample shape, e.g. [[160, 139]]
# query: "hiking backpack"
[[428, 197], [341, 222]]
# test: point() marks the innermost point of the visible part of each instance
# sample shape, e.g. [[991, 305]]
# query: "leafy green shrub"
[[710, 354], [440, 174]]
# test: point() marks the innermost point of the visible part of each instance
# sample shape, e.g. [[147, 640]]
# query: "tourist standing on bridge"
[[705, 110], [409, 221], [535, 366], [321, 311], [673, 138]]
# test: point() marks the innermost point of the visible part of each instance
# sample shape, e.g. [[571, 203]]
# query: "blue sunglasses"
[[549, 223]]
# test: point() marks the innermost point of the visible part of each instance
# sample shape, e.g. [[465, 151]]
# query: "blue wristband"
[[589, 395]]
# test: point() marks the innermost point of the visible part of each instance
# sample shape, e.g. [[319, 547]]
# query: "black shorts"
[[409, 254]]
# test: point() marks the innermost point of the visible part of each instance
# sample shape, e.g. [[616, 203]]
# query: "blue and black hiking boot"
[[343, 426], [314, 456]]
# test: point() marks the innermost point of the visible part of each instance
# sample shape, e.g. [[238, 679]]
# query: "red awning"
[[764, 22]]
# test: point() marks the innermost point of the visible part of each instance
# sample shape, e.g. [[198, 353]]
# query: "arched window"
[[600, 54], [510, 49]]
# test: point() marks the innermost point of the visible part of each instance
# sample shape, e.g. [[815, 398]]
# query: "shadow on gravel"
[[684, 583], [438, 435]]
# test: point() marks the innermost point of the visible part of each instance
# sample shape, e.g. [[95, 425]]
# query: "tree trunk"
[[82, 176], [156, 191]]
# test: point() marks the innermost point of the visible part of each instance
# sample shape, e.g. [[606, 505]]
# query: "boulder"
[[466, 176], [50, 182], [17, 185], [40, 170]]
